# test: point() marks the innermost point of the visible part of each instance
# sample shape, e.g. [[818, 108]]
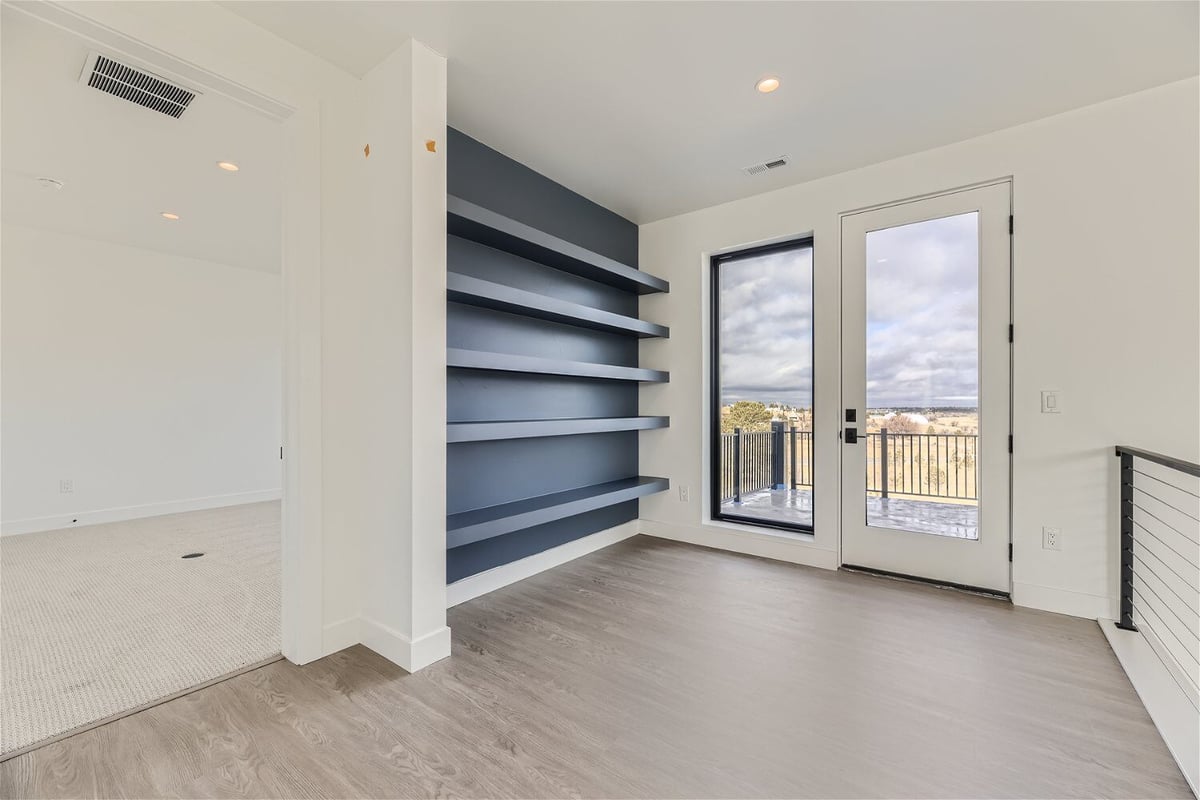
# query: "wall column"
[[404, 533]]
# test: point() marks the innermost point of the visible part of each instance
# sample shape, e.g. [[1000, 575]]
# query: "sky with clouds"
[[922, 328]]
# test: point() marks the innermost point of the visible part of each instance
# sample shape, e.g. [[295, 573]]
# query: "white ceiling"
[[122, 164], [649, 108]]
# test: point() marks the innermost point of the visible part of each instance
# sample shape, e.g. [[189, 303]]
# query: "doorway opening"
[[926, 324], [143, 385]]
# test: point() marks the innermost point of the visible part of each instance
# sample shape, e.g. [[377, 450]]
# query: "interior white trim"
[[498, 577], [1061, 601], [121, 513], [339, 635], [1173, 712], [793, 548], [409, 654], [160, 60]]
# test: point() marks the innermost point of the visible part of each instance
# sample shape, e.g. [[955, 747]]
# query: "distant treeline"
[[923, 410]]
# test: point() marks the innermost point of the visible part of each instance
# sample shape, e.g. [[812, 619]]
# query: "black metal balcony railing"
[[1159, 517], [909, 464]]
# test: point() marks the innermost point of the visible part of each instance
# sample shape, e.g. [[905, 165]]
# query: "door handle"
[[851, 436]]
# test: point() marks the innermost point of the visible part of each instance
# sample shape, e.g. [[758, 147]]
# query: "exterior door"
[[925, 388]]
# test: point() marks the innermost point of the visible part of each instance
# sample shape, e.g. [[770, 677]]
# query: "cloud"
[[766, 328], [922, 329]]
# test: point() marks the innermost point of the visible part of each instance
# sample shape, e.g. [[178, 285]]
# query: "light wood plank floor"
[[654, 669]]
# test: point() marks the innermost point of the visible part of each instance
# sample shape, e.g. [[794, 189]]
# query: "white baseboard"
[[1061, 601], [489, 581], [776, 546], [409, 654], [1173, 711], [120, 514], [337, 636]]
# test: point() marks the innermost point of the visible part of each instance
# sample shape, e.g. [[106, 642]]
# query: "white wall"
[[150, 381], [1107, 278]]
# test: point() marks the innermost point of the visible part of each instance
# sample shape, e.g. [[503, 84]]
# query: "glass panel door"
[[922, 405], [925, 289]]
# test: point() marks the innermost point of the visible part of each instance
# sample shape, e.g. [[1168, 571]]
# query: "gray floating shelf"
[[485, 523], [478, 224], [485, 294], [530, 428], [505, 362]]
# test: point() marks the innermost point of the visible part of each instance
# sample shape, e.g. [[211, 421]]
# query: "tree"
[[901, 423], [747, 415]]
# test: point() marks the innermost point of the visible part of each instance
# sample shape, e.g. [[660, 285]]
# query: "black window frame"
[[714, 287]]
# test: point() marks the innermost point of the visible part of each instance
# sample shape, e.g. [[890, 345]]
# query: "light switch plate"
[[1051, 401]]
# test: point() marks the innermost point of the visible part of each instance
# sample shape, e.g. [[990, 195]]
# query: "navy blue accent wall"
[[492, 473], [477, 173]]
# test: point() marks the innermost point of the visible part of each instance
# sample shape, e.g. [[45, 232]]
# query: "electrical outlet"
[[1051, 538], [66, 487], [685, 494]]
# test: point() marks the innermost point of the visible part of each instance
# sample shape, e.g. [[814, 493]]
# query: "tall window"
[[762, 426]]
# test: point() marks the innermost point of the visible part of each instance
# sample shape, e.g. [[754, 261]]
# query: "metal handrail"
[[1127, 455], [1186, 467], [939, 466]]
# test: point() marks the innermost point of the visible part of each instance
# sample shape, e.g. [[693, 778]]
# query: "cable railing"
[[1160, 559], [932, 465]]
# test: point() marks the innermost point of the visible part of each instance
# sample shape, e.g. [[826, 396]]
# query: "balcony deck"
[[795, 507]]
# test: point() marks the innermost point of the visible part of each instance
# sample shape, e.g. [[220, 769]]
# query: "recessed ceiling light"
[[169, 215], [767, 85], [228, 166]]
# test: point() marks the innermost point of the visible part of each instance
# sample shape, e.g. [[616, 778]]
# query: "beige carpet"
[[102, 619]]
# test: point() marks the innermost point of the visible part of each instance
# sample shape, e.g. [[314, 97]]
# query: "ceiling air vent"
[[775, 163], [136, 85]]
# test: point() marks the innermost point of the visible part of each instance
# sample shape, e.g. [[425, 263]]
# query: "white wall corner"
[[403, 554], [407, 653], [1061, 601], [337, 636]]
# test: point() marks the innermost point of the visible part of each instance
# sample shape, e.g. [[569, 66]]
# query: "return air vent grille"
[[775, 163], [136, 86]]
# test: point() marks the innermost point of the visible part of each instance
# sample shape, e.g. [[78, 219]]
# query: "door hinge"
[[1010, 442], [1010, 224], [1010, 333], [1010, 551]]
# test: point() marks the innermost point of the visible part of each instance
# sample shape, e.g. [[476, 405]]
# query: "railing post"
[[883, 463], [1126, 620], [737, 465], [792, 441], [777, 456]]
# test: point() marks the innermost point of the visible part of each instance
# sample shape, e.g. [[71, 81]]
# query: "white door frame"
[[843, 400], [141, 40]]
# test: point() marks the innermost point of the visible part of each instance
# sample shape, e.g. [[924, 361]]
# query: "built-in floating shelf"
[[485, 523], [498, 297], [506, 362], [478, 224], [531, 428]]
